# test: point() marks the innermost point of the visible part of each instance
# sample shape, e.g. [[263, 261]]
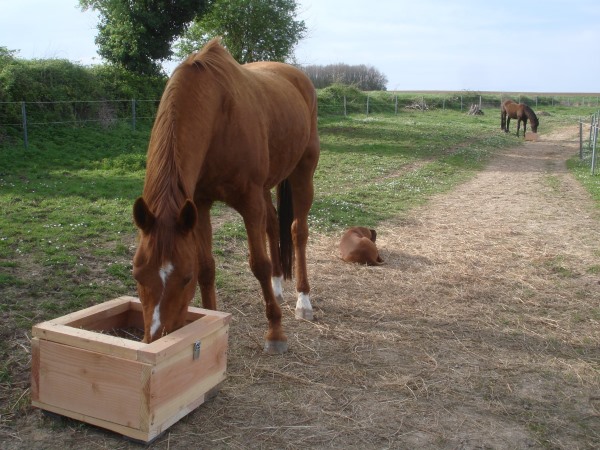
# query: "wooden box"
[[132, 388]]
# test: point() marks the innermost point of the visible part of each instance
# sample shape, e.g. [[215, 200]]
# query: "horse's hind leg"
[[253, 209], [302, 193], [273, 237]]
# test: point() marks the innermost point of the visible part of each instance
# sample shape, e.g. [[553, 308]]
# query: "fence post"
[[133, 113], [580, 139], [345, 110], [24, 114], [396, 105], [594, 149], [368, 96]]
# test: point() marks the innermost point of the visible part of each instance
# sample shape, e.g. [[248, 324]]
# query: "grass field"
[[66, 232]]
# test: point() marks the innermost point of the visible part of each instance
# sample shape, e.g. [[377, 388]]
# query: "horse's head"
[[165, 267], [534, 125]]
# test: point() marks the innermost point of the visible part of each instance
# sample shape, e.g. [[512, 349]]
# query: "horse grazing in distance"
[[230, 133], [521, 112]]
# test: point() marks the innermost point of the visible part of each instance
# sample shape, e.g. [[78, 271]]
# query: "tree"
[[252, 30], [137, 35], [366, 78]]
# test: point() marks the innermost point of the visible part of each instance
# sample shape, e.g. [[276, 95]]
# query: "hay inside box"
[[81, 371]]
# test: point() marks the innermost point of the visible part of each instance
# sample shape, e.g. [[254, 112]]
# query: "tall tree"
[[252, 30], [138, 34]]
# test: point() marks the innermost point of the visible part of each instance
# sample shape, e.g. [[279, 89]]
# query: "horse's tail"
[[285, 212], [502, 117]]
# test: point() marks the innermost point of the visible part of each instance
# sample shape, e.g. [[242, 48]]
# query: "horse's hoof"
[[275, 347], [279, 299], [304, 313]]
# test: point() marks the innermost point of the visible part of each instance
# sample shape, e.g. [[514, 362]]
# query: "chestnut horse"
[[521, 112], [228, 133]]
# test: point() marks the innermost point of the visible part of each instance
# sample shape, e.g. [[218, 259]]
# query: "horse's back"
[[279, 79], [289, 100]]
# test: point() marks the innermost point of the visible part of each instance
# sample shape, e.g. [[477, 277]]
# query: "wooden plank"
[[179, 380], [91, 383], [179, 340], [88, 340], [132, 433], [35, 369], [78, 319]]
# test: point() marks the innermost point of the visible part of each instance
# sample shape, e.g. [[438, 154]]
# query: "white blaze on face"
[[163, 273], [155, 320]]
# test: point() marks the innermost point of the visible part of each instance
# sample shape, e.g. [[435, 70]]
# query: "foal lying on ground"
[[358, 246]]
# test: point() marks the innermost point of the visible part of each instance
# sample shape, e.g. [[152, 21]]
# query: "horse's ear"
[[143, 217], [187, 217]]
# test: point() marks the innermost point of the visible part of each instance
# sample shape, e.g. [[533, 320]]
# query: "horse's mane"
[[164, 189], [219, 64]]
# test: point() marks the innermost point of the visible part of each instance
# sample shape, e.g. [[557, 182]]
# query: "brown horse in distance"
[[228, 133], [521, 112]]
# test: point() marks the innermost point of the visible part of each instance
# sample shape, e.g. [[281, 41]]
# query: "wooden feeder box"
[[135, 389]]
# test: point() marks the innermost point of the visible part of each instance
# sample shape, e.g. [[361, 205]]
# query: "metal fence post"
[[24, 113], [580, 139], [345, 110], [368, 96], [594, 149], [133, 113]]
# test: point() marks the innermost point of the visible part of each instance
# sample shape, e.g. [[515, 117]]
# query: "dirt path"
[[481, 331]]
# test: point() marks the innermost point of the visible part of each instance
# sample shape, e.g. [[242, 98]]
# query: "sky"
[[548, 46]]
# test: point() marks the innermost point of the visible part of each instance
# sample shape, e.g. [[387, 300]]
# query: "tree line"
[[365, 78]]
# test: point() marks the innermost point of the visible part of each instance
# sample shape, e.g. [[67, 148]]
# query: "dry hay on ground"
[[480, 331]]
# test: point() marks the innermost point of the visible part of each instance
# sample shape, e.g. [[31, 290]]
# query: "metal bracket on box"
[[197, 346]]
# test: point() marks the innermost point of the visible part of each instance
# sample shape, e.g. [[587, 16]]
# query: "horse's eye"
[[186, 280]]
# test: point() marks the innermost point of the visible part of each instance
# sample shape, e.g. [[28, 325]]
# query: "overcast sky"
[[476, 45]]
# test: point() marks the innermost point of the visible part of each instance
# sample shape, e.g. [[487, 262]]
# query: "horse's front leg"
[[254, 212], [206, 272], [518, 126], [524, 128]]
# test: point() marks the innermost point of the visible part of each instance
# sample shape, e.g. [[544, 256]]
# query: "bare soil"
[[481, 331]]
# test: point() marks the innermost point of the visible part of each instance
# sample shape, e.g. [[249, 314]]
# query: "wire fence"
[[17, 118], [588, 150], [21, 116]]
